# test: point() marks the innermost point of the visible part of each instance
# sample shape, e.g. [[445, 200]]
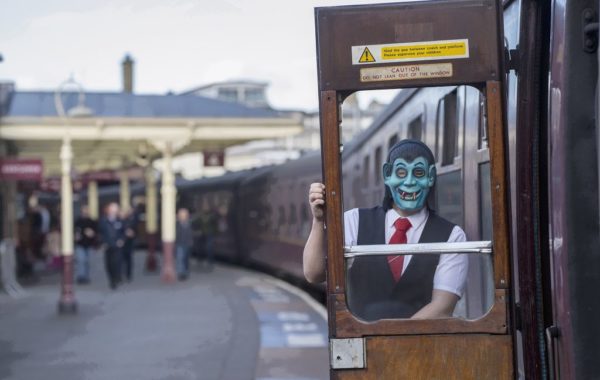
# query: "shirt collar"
[[415, 220]]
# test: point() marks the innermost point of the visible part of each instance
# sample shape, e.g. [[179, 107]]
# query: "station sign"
[[21, 169], [214, 158]]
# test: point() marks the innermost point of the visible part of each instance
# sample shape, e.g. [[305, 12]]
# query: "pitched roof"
[[230, 83], [117, 104]]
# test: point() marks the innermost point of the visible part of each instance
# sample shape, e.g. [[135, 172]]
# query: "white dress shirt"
[[451, 272]]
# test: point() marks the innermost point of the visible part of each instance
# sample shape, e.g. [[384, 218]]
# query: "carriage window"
[[483, 138], [485, 201], [293, 216], [450, 129], [281, 220], [365, 175], [304, 212], [306, 222], [264, 217], [449, 197], [378, 163], [415, 129], [392, 141], [484, 263]]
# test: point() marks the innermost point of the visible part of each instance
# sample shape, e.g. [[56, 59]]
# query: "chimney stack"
[[127, 74]]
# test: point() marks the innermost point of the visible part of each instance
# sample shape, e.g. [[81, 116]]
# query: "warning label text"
[[410, 51], [406, 72], [452, 49]]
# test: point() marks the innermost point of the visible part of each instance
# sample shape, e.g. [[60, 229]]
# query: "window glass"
[[392, 141], [293, 216], [483, 137], [485, 201], [485, 264], [305, 220], [415, 129], [229, 94], [449, 197], [254, 95], [377, 168], [366, 170], [281, 220], [450, 129], [372, 290]]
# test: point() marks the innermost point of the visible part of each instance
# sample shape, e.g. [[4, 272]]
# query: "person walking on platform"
[[52, 246], [129, 226], [86, 230], [39, 227], [184, 240], [112, 235]]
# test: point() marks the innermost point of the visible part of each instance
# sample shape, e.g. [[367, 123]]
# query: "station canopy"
[[111, 130]]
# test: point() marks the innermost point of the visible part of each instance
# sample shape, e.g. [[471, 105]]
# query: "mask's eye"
[[419, 172], [401, 172]]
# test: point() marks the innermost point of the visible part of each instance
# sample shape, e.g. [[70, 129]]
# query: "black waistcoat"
[[372, 292]]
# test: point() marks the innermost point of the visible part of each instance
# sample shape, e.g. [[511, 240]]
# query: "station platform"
[[230, 323]]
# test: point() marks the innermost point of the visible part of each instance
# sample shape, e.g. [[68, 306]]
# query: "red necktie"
[[399, 237]]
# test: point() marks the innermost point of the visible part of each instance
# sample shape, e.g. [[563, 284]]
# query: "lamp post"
[[67, 303]]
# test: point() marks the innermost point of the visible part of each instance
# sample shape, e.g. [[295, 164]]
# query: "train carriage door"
[[415, 45]]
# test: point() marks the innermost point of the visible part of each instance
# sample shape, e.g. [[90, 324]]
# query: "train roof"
[[258, 173], [299, 166], [389, 111], [229, 178]]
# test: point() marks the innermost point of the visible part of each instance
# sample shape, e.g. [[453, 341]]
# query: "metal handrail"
[[467, 247]]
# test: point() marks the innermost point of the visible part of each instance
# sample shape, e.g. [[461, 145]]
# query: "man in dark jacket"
[[183, 243], [129, 226], [112, 235], [86, 230]]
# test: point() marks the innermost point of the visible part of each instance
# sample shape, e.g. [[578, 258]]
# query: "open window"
[[466, 275]]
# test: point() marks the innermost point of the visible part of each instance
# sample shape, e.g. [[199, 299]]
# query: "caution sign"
[[366, 56], [406, 72], [410, 51]]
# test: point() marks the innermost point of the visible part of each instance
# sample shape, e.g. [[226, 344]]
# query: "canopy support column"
[[151, 219], [93, 200], [67, 302], [168, 199], [124, 193]]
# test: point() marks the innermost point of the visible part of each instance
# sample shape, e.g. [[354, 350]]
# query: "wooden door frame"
[[342, 323]]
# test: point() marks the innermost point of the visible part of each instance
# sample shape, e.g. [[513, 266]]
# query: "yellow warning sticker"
[[366, 56], [410, 51], [406, 72]]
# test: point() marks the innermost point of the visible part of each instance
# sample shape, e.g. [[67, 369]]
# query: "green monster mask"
[[409, 182]]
